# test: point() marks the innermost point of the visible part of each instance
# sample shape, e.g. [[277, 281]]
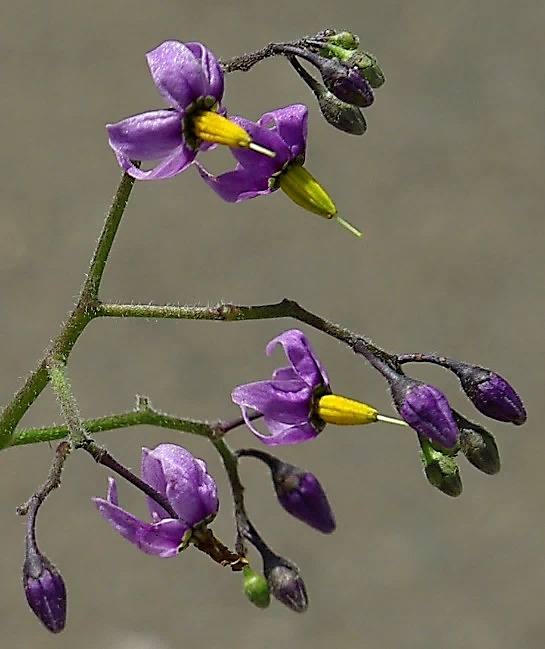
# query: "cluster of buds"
[[443, 432], [348, 75]]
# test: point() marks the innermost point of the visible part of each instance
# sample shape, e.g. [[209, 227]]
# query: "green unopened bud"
[[368, 66], [341, 115], [479, 446], [307, 192], [441, 470], [256, 588], [346, 40]]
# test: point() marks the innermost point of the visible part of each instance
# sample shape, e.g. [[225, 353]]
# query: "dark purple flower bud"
[[424, 408], [441, 469], [285, 582], [301, 495], [44, 589], [298, 491], [338, 113], [479, 446], [346, 83], [490, 393]]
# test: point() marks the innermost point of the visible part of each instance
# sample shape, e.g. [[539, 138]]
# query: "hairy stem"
[[144, 413], [236, 313], [69, 407]]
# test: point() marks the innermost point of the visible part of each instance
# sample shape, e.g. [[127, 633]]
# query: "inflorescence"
[[298, 402]]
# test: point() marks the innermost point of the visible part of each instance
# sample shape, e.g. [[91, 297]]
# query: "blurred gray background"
[[447, 186]]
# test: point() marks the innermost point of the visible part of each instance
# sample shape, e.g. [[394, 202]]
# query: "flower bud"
[[424, 408], [302, 496], [346, 40], [368, 67], [298, 491], [340, 114], [44, 589], [479, 446], [441, 470], [346, 83], [490, 393], [285, 582], [256, 588]]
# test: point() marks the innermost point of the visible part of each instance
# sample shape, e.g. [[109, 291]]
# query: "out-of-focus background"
[[447, 186]]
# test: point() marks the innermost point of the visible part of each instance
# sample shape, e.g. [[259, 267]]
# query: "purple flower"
[[426, 409], [283, 131], [286, 401], [44, 589], [184, 481], [190, 80]]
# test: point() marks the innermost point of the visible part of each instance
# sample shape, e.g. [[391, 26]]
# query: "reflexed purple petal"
[[152, 473], [285, 434], [236, 186], [291, 124], [285, 374], [268, 138], [177, 74], [210, 67], [301, 356], [285, 407], [161, 539], [148, 136], [173, 164]]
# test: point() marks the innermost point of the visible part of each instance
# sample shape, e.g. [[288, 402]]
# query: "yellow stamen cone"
[[334, 409], [306, 191], [210, 126]]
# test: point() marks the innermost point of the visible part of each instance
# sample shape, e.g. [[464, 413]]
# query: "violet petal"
[[177, 74], [161, 539], [301, 356]]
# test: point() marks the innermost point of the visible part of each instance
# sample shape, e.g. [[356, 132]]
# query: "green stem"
[[69, 407], [104, 245], [80, 317], [144, 413], [236, 313]]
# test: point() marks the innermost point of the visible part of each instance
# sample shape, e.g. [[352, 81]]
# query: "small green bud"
[[256, 588], [441, 470], [346, 40], [369, 68]]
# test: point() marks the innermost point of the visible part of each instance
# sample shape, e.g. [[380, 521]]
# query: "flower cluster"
[[270, 153], [297, 402]]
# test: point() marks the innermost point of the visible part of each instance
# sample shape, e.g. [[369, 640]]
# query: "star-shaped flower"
[[190, 80], [297, 402], [283, 131]]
